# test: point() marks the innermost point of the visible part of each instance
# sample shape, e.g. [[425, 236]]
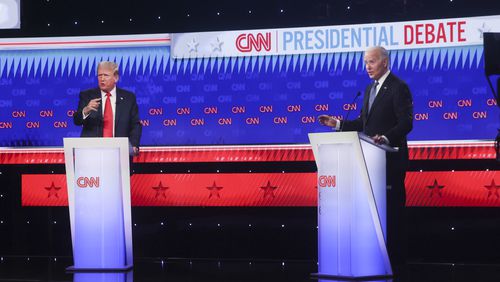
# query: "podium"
[[351, 206], [98, 181]]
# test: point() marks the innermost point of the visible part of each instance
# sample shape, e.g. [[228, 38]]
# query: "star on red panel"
[[160, 190], [214, 190], [435, 188], [493, 189], [52, 189], [269, 190]]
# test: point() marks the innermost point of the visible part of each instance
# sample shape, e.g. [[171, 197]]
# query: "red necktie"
[[107, 129]]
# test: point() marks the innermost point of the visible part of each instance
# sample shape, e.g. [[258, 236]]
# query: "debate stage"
[[213, 270]]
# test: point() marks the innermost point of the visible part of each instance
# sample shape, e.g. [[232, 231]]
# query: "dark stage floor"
[[156, 269]]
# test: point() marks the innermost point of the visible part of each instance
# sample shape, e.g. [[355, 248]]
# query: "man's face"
[[375, 65], [106, 79]]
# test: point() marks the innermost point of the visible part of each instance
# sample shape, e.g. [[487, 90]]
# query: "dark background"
[[58, 17]]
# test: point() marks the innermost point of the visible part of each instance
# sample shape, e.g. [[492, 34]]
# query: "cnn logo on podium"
[[327, 181], [88, 182]]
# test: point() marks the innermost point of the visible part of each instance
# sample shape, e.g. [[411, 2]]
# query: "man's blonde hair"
[[109, 66]]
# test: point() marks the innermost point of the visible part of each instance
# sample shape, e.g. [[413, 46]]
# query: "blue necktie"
[[373, 94]]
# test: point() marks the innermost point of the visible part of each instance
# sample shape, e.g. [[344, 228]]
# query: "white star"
[[217, 45], [193, 45], [483, 29]]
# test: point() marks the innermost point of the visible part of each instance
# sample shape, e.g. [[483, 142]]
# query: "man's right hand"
[[327, 120], [93, 105]]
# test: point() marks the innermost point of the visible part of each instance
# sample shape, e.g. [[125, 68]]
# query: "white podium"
[[351, 206], [98, 180]]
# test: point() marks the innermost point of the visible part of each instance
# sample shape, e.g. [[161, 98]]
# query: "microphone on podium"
[[349, 111]]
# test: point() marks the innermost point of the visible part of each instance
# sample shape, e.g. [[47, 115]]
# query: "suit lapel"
[[118, 106], [381, 93], [366, 100]]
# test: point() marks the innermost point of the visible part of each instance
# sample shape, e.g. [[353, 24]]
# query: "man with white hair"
[[386, 116]]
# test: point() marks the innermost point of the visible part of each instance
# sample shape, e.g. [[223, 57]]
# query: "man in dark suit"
[[108, 111], [386, 116]]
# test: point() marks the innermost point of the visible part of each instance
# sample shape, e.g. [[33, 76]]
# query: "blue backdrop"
[[251, 100]]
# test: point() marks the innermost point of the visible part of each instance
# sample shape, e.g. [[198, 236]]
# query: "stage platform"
[[208, 270]]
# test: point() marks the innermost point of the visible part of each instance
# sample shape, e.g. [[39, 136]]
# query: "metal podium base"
[[118, 269], [350, 278]]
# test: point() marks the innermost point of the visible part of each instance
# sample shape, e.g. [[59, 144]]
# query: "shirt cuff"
[[385, 140], [337, 124]]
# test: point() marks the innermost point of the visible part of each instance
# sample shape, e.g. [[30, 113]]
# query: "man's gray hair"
[[109, 66], [384, 54]]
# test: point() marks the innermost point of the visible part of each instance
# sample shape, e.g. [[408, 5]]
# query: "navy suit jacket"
[[391, 115], [127, 122]]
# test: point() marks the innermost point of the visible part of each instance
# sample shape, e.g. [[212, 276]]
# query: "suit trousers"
[[396, 214]]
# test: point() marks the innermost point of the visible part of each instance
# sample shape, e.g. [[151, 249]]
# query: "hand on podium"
[[135, 151], [380, 139]]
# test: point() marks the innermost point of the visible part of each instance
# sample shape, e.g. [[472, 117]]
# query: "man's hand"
[[136, 151], [93, 105], [327, 120], [380, 139]]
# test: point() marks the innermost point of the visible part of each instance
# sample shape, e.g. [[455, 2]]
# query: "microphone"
[[349, 111]]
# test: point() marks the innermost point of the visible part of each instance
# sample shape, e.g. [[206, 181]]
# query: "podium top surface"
[[94, 142], [344, 137], [368, 139]]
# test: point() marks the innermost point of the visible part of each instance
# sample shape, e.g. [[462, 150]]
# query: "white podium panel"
[[351, 206], [103, 276], [97, 172]]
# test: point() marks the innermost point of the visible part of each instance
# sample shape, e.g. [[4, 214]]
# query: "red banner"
[[424, 189], [210, 189], [253, 153], [225, 189]]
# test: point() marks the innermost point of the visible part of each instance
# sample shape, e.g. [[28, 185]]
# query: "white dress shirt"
[[103, 103]]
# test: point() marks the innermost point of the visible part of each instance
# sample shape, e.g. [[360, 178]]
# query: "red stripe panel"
[[44, 190], [276, 153], [453, 189], [225, 189], [279, 153], [472, 151], [31, 156], [217, 189]]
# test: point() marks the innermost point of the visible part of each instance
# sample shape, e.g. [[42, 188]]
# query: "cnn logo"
[[88, 182], [327, 181], [247, 42]]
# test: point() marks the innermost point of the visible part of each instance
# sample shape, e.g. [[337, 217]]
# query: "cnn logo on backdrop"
[[248, 42], [88, 182], [327, 181]]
